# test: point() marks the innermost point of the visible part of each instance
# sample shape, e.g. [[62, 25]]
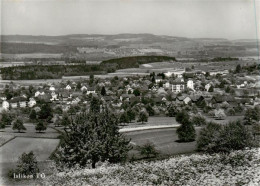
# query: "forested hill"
[[134, 62]]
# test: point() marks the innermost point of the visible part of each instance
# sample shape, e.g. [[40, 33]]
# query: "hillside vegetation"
[[31, 72], [134, 62], [236, 168]]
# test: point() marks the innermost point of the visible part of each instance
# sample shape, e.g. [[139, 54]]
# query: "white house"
[[158, 79], [91, 91], [5, 105], [187, 100], [167, 85], [83, 88], [190, 84], [207, 86], [39, 93], [31, 102], [178, 85], [68, 87], [52, 88]]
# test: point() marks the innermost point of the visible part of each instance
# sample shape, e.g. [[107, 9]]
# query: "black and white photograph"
[[129, 92]]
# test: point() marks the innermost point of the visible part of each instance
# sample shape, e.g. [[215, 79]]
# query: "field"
[[31, 55], [165, 141], [153, 121], [10, 152], [30, 132]]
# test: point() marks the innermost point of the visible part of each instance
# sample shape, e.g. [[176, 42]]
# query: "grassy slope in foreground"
[[237, 168]]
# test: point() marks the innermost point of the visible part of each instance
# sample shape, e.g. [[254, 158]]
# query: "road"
[[163, 139]]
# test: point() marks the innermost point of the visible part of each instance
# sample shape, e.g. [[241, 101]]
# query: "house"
[[187, 100], [5, 105], [83, 88], [54, 96], [178, 85], [22, 102], [166, 85], [68, 87], [31, 102], [91, 90], [39, 93], [207, 86], [52, 88], [14, 102], [65, 96], [190, 84], [158, 79]]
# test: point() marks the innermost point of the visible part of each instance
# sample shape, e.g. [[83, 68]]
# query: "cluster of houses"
[[182, 88]]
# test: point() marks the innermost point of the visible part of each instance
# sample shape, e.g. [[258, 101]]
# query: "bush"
[[217, 138], [186, 132], [27, 165], [18, 125], [143, 117], [209, 137], [148, 150], [198, 120], [231, 112], [40, 126]]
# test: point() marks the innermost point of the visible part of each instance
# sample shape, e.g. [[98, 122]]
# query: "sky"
[[230, 19]]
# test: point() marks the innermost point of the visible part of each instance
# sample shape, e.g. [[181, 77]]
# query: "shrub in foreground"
[[218, 138], [148, 150], [236, 168], [27, 165]]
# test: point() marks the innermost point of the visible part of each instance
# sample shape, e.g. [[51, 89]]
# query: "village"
[[207, 94]]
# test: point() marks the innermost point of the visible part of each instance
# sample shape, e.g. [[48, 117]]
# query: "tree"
[[18, 125], [186, 132], [33, 114], [131, 114], [198, 120], [160, 84], [150, 110], [143, 117], [220, 114], [124, 118], [136, 92], [103, 91], [46, 112], [182, 116], [232, 136], [211, 89], [93, 137], [40, 126], [95, 105], [27, 165], [65, 121], [208, 137], [252, 115], [7, 118], [238, 69], [78, 87], [172, 111]]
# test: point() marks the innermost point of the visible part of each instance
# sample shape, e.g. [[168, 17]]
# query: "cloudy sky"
[[231, 19]]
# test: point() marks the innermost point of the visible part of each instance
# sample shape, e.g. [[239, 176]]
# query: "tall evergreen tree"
[[103, 91]]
